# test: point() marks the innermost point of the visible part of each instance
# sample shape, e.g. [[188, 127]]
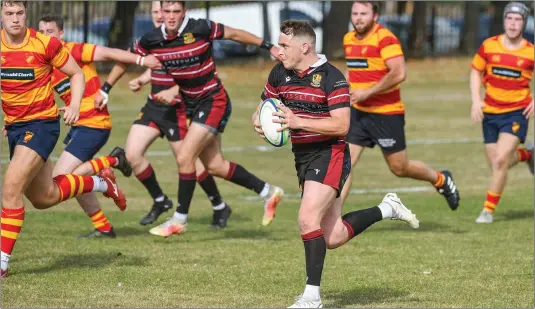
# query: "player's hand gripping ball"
[[265, 116]]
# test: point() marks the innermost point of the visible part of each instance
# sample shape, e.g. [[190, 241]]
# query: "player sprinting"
[[315, 107], [184, 46], [376, 68], [91, 132], [163, 115], [504, 64], [32, 125]]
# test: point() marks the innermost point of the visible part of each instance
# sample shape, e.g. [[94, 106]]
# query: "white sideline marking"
[[266, 148], [352, 192]]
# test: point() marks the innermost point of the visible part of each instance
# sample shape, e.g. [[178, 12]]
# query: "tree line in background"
[[334, 27]]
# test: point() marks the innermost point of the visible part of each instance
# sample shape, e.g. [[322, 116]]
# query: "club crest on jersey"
[[515, 127], [28, 136], [364, 50], [520, 62], [316, 80], [348, 50], [3, 60], [29, 58], [496, 58], [189, 38]]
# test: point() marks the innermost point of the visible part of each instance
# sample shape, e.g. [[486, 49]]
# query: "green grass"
[[448, 262]]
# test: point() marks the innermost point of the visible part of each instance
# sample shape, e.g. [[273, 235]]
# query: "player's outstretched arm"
[[248, 38], [336, 125], [476, 80], [77, 81], [103, 53]]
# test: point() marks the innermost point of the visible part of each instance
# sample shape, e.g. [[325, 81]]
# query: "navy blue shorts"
[[513, 122], [84, 142], [39, 135]]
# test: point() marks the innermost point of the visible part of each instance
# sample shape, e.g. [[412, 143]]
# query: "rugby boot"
[[400, 211], [113, 191], [169, 227], [157, 209], [220, 217], [449, 190], [485, 217], [271, 201], [99, 234], [304, 302], [123, 165]]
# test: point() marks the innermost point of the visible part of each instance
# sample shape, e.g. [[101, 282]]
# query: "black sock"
[[315, 250], [209, 186], [240, 176], [358, 221], [148, 179], [186, 187]]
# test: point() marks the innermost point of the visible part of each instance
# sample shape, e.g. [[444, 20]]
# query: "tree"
[[122, 24], [418, 30], [336, 26], [469, 34], [497, 21]]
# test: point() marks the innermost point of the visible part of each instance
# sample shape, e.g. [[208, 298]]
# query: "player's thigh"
[[66, 164], [199, 136], [139, 138], [25, 165], [316, 200], [506, 145], [212, 158]]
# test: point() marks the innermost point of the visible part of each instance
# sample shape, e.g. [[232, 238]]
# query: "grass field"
[[450, 261]]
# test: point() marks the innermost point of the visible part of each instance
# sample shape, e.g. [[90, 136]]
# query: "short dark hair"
[[374, 4], [182, 3], [298, 28], [11, 3], [53, 18]]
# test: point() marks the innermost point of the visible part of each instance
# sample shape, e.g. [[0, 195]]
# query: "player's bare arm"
[[397, 73], [77, 80], [137, 83], [476, 80], [336, 125], [248, 38], [103, 53], [168, 95]]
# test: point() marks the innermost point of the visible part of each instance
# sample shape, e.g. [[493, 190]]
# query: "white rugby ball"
[[265, 115]]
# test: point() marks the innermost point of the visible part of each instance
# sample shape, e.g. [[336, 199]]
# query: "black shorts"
[[169, 120], [329, 164], [368, 129], [212, 111]]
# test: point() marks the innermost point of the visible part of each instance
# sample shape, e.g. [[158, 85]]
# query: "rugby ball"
[[265, 115]]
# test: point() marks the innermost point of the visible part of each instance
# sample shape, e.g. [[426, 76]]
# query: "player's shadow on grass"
[[234, 217], [425, 226], [517, 214], [90, 260], [362, 296], [127, 231]]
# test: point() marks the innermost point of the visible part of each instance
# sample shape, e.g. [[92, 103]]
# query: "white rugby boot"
[[485, 217], [399, 211]]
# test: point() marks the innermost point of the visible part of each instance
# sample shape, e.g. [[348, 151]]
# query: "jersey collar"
[[182, 27], [314, 66]]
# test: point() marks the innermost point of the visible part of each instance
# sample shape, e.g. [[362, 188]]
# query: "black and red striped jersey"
[[311, 94], [187, 57]]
